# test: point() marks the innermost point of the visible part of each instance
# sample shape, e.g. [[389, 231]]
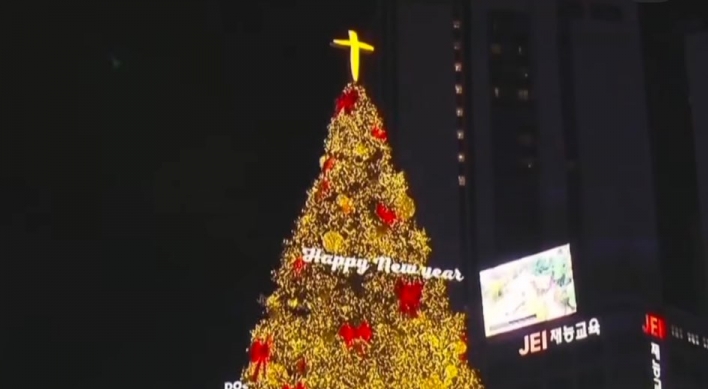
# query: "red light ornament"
[[388, 216], [298, 265], [379, 133]]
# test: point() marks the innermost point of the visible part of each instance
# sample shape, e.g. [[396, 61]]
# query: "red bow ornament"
[[379, 133], [346, 101], [351, 333], [260, 353], [409, 297], [388, 216], [298, 265]]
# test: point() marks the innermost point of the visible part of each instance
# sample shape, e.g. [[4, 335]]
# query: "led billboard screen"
[[527, 291]]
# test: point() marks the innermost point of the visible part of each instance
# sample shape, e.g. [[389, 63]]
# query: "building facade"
[[523, 125], [696, 63], [627, 345]]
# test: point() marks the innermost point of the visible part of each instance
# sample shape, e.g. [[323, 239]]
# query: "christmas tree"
[[355, 305]]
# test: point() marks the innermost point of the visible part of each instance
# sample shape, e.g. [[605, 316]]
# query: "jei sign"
[[539, 341], [655, 327]]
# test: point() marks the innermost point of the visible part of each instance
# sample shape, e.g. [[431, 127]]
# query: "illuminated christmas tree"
[[355, 305]]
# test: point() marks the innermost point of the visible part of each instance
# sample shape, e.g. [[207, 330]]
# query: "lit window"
[[693, 338], [458, 89], [460, 157], [457, 45], [523, 94], [524, 73], [461, 180], [458, 66], [459, 112], [496, 48], [456, 24], [496, 91], [460, 134], [520, 50], [705, 342]]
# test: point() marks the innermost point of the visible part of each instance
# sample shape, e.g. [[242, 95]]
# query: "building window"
[[497, 92], [521, 50], [705, 342], [458, 66], [606, 12], [693, 339], [460, 157], [461, 180], [456, 24], [523, 94], [458, 89], [457, 45], [524, 73], [460, 134], [496, 48], [459, 112]]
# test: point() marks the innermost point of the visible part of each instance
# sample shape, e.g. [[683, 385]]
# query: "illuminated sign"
[[383, 264], [539, 341], [656, 364], [235, 385], [654, 326], [528, 291], [354, 46]]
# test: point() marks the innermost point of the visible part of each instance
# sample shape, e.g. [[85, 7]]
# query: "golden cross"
[[354, 46]]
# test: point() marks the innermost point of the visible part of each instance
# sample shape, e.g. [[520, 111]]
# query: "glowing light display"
[[539, 341], [337, 330], [528, 291], [382, 264], [355, 47]]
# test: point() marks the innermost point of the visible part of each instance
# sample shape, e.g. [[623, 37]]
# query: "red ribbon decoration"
[[409, 297], [260, 353], [299, 385], [328, 164], [350, 333], [347, 100], [386, 215], [323, 189], [379, 133]]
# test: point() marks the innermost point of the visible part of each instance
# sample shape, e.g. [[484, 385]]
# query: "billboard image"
[[527, 291]]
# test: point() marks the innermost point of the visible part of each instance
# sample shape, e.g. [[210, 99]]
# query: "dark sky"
[[159, 156]]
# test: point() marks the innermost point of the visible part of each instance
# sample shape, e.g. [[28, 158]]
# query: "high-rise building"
[[696, 63], [524, 125], [671, 79]]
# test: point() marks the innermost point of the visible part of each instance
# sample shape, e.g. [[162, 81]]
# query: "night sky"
[[160, 155], [154, 157]]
